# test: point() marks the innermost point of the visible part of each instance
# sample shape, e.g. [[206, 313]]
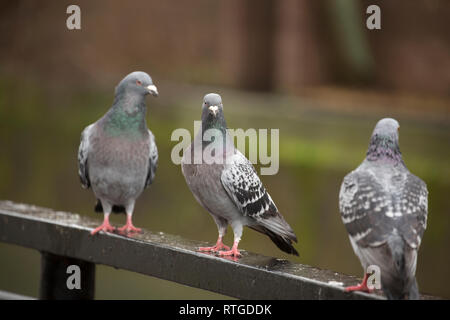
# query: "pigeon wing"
[[363, 204], [370, 212], [83, 151], [152, 160], [414, 200], [244, 187]]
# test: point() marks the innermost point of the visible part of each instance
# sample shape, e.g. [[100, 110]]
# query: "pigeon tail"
[[396, 245], [414, 291], [279, 231], [115, 209], [400, 286]]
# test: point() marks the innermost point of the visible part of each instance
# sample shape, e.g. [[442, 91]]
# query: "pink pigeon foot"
[[360, 287], [233, 252], [105, 226], [219, 245], [129, 227]]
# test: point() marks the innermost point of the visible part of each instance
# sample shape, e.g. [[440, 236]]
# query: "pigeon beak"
[[153, 90], [213, 110]]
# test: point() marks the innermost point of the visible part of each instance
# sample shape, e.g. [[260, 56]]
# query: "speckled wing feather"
[[152, 160], [243, 185], [83, 156], [371, 210], [414, 198]]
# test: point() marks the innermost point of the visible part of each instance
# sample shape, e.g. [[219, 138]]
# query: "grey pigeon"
[[118, 155], [230, 190], [384, 208]]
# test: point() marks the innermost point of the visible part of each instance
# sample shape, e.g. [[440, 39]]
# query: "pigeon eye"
[[139, 83]]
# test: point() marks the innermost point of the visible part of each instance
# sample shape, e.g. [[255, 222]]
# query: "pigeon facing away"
[[230, 190], [384, 208], [118, 155]]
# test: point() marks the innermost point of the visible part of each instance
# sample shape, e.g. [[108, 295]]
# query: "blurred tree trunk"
[[246, 40], [299, 46]]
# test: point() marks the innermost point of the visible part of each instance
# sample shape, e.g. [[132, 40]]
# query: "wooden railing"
[[64, 239]]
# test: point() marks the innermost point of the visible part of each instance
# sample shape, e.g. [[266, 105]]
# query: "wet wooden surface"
[[170, 257]]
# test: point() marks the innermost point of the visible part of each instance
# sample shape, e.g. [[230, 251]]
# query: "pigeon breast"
[[118, 166]]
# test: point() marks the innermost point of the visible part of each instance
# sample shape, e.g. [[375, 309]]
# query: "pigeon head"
[[128, 110], [212, 104], [137, 83], [387, 126], [212, 112], [384, 141]]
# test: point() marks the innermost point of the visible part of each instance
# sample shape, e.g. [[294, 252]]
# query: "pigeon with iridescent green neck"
[[384, 208], [117, 156]]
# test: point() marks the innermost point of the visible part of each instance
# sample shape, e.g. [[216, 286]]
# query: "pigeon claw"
[[215, 248], [208, 249], [360, 287], [129, 228], [219, 245], [233, 252], [105, 227]]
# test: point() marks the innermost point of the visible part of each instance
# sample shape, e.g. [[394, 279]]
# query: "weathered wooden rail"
[[64, 239]]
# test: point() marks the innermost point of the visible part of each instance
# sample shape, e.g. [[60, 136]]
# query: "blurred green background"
[[310, 69]]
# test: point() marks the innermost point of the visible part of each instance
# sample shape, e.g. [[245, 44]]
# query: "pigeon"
[[384, 208], [118, 156], [230, 189]]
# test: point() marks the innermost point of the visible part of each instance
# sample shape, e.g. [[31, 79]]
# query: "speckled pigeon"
[[229, 189], [118, 155], [384, 208]]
